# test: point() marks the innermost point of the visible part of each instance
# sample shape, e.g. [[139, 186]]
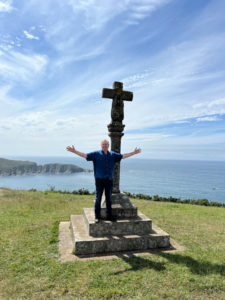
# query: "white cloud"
[[168, 91], [212, 107], [46, 128], [141, 9], [8, 104], [20, 67], [208, 119], [211, 104], [134, 80], [53, 123], [98, 13], [217, 102], [6, 47], [30, 36], [207, 147], [147, 137], [5, 6]]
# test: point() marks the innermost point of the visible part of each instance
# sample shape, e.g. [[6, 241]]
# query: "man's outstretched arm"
[[73, 150], [136, 151]]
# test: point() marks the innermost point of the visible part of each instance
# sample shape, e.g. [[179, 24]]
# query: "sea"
[[184, 179]]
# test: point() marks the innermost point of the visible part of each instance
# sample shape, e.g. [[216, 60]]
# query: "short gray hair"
[[104, 141]]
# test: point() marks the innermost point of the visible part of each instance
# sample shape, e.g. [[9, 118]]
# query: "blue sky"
[[56, 56]]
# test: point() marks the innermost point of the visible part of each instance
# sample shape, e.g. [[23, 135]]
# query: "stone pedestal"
[[115, 133], [121, 206], [131, 231]]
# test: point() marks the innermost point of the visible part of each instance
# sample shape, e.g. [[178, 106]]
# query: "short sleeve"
[[117, 156], [91, 156]]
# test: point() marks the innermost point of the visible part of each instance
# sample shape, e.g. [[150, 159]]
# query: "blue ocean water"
[[183, 179]]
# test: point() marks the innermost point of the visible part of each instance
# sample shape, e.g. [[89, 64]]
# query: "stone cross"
[[116, 126]]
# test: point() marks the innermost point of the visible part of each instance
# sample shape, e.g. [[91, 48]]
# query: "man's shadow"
[[195, 266], [137, 263]]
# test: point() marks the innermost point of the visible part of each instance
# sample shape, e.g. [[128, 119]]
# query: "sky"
[[57, 55]]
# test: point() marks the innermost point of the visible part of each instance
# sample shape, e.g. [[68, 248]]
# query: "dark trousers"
[[101, 185]]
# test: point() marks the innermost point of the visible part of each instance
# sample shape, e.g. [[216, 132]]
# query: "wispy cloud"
[[208, 119], [30, 36], [97, 13], [211, 107], [9, 105], [139, 10], [167, 92], [21, 67], [211, 104], [5, 6], [5, 47]]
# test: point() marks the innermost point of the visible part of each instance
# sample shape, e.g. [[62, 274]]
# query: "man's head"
[[105, 145]]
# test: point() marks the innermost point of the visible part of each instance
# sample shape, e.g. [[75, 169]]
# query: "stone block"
[[86, 244], [120, 212], [138, 225], [122, 207]]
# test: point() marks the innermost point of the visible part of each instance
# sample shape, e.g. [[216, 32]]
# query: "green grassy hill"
[[30, 269]]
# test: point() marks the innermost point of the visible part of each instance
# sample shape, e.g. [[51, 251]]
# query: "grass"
[[29, 266]]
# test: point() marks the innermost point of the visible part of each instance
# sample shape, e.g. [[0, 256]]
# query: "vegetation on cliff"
[[18, 167]]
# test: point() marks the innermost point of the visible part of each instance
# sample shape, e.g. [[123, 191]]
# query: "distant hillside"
[[10, 167]]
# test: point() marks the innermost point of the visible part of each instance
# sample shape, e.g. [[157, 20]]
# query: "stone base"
[[66, 248], [132, 231], [122, 207], [119, 211], [85, 244], [137, 225]]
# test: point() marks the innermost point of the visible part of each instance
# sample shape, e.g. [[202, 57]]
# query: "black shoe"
[[111, 218], [97, 220]]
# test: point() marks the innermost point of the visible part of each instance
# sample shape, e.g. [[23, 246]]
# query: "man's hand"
[[137, 150], [71, 149]]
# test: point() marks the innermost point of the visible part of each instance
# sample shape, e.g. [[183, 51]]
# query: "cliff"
[[18, 167]]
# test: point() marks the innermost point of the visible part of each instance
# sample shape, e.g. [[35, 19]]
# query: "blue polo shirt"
[[104, 163]]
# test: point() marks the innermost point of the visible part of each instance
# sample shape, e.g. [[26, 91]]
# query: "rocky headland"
[[18, 167]]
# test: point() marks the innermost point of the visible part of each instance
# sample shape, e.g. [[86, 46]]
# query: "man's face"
[[105, 145]]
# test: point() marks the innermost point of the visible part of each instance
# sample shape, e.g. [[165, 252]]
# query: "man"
[[104, 162]]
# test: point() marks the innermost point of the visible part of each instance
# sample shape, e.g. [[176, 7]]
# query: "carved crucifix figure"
[[116, 126], [118, 96]]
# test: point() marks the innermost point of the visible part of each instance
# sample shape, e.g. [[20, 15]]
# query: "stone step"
[[120, 212], [85, 244], [138, 225], [122, 207]]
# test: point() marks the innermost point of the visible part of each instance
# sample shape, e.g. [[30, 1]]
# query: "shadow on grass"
[[195, 266], [138, 263]]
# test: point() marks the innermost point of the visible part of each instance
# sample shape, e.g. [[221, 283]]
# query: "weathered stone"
[[122, 207], [116, 126], [137, 225], [66, 248], [86, 244], [120, 212]]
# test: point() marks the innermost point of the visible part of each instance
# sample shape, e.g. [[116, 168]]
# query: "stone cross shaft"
[[115, 128]]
